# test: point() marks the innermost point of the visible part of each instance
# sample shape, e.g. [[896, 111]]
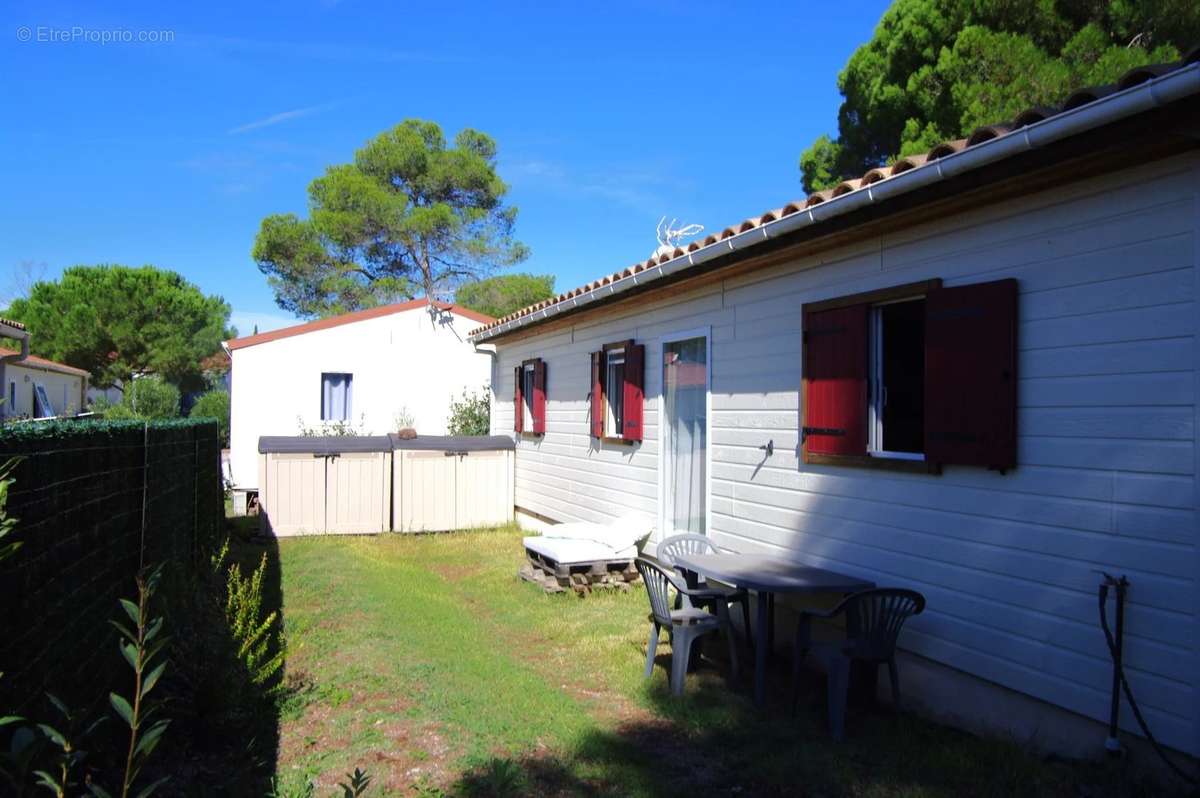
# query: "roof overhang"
[[1151, 120]]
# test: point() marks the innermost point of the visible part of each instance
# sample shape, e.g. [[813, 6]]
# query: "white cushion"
[[585, 541]]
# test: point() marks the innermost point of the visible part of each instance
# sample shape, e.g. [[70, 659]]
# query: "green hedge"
[[95, 501]]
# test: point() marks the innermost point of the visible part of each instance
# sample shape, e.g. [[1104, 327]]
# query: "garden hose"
[[1119, 673]]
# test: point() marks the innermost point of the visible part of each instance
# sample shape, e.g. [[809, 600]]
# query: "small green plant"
[[404, 419], [214, 404], [472, 415], [498, 777], [219, 556], [60, 779], [259, 649], [336, 429], [356, 783], [140, 646]]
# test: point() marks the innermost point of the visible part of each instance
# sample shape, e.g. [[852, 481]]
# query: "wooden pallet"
[[583, 578]]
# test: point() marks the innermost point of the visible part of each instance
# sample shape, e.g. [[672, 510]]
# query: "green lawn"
[[425, 661]]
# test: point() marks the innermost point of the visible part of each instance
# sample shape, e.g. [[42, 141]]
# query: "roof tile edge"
[[873, 179]]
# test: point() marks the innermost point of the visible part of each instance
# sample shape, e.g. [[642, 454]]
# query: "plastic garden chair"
[[873, 622], [685, 624], [704, 594]]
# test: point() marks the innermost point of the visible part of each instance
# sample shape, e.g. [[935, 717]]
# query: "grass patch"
[[424, 660]]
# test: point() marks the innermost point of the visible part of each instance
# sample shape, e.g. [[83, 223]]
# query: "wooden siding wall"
[[1106, 476]]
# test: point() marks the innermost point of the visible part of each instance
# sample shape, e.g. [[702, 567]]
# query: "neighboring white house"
[[1039, 280], [368, 370], [35, 387]]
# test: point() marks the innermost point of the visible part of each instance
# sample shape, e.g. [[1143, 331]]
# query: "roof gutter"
[[16, 333], [1143, 97]]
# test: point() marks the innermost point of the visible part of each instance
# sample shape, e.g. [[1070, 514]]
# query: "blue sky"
[[607, 117]]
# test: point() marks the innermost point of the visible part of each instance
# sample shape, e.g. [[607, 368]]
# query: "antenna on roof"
[[669, 236]]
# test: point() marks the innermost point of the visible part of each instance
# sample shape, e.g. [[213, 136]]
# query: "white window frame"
[[684, 335], [611, 428], [877, 391]]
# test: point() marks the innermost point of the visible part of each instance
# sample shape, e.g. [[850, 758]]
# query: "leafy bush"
[[214, 404], [146, 397], [472, 415]]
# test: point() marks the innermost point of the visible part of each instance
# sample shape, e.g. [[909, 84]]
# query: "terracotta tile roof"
[[350, 318], [33, 361], [981, 135]]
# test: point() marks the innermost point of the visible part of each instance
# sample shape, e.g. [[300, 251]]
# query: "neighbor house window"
[[618, 374], [12, 398], [336, 396], [913, 373], [529, 397]]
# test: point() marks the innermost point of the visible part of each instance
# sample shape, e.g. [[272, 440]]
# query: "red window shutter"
[[518, 410], [635, 381], [971, 375], [835, 381], [539, 396], [597, 395]]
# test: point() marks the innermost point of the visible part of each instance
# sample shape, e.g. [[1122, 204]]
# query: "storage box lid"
[[327, 444], [453, 443]]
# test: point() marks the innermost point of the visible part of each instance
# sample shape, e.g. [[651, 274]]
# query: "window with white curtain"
[[336, 396], [614, 393], [528, 385]]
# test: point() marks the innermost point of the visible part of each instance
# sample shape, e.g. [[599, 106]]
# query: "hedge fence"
[[95, 502]]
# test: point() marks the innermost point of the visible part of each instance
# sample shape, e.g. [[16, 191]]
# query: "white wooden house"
[[33, 386], [973, 373], [373, 370]]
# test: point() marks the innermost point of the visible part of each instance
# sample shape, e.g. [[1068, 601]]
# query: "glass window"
[[336, 396], [685, 451], [614, 393], [898, 379], [527, 384]]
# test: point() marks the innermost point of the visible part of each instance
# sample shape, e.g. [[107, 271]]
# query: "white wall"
[[1107, 456], [65, 391], [401, 360]]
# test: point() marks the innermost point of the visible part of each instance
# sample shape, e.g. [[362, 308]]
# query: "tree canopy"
[[936, 69], [117, 321], [500, 295], [410, 215]]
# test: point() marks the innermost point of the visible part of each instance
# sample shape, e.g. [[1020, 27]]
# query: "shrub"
[[253, 630], [335, 429], [146, 397], [472, 415], [214, 404]]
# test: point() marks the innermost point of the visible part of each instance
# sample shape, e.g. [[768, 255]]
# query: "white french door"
[[684, 410]]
